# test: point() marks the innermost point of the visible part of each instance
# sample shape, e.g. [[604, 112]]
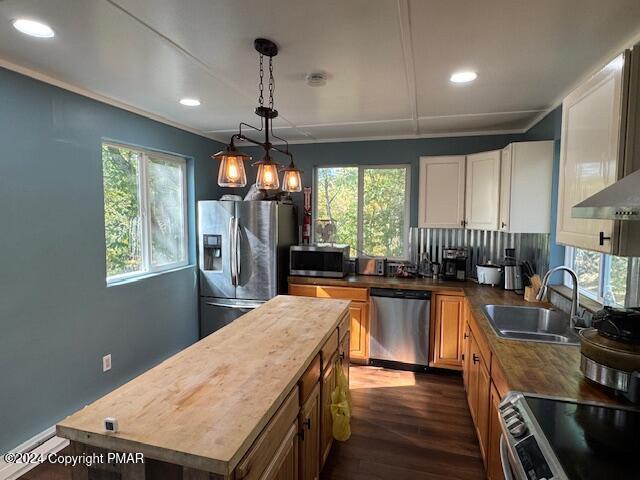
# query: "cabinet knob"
[[476, 358], [465, 335], [307, 423], [463, 223], [504, 224], [603, 238], [342, 355]]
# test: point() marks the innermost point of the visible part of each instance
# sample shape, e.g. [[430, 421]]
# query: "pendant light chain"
[[272, 83], [232, 172], [260, 84]]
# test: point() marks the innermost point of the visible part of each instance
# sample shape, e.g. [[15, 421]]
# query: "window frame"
[[143, 206], [360, 204], [603, 275]]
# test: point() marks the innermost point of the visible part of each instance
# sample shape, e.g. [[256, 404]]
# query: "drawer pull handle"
[[476, 358]]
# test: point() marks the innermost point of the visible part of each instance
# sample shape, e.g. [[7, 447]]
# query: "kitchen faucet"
[[575, 304]]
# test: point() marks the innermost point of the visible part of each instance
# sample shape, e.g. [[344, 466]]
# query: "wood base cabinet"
[[358, 312], [326, 426], [309, 434], [448, 335], [483, 397], [284, 465], [359, 338], [494, 464]]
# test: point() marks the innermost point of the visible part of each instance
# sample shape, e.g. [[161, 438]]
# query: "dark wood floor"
[[405, 426]]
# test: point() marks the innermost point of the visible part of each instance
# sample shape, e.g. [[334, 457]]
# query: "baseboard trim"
[[44, 443]]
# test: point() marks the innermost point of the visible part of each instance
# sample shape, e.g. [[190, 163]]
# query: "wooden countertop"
[[204, 407], [532, 367]]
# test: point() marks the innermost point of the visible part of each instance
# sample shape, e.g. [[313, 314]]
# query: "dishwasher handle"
[[397, 293]]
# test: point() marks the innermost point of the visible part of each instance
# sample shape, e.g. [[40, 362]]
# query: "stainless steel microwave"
[[328, 261]]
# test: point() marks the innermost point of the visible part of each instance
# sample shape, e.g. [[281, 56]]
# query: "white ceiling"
[[388, 61]]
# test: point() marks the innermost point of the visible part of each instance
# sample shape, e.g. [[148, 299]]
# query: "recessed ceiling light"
[[33, 28], [463, 77], [190, 102]]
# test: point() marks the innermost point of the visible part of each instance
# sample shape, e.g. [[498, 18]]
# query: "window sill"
[[145, 276], [587, 303]]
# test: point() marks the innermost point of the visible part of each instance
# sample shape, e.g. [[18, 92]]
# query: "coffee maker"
[[454, 264]]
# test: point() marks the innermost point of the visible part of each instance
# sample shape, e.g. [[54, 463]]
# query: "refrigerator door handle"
[[238, 251], [226, 305], [232, 250]]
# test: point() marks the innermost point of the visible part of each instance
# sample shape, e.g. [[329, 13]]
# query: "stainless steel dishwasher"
[[400, 326]]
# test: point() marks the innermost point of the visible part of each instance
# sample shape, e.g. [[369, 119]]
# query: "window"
[[365, 207], [598, 274], [145, 218]]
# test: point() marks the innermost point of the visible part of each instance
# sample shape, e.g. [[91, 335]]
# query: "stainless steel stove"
[[556, 439]]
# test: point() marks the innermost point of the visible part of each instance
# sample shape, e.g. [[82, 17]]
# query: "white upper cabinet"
[[590, 155], [442, 182], [483, 190], [525, 187]]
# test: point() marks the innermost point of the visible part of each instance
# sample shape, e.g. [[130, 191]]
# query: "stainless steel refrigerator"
[[243, 250]]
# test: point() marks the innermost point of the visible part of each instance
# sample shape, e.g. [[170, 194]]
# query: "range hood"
[[620, 201]]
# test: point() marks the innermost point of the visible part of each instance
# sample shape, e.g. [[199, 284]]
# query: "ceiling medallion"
[[232, 173]]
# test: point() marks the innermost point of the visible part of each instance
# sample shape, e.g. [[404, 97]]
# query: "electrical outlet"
[[106, 363]]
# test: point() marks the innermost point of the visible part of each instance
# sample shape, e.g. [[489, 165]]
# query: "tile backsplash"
[[482, 246]]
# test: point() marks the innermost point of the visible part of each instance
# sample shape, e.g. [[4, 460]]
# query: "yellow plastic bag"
[[341, 406]]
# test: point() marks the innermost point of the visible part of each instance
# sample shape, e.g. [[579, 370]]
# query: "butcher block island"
[[251, 401]]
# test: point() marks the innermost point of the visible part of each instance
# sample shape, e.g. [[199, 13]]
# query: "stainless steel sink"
[[531, 323]]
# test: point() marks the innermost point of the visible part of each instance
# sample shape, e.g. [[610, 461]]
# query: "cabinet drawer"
[[329, 349], [310, 379], [325, 291], [344, 326], [264, 448], [345, 293], [303, 290]]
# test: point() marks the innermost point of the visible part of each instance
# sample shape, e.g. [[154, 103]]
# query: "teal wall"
[[57, 316]]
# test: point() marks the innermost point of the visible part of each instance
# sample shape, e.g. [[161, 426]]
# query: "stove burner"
[[618, 324]]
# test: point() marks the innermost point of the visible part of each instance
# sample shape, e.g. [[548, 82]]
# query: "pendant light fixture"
[[232, 173], [291, 180]]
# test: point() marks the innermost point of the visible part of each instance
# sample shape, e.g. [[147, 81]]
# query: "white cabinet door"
[[483, 190], [525, 187], [590, 159], [505, 187], [441, 192]]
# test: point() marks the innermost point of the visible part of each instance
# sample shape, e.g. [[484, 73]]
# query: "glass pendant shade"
[[267, 175], [231, 172], [291, 180]]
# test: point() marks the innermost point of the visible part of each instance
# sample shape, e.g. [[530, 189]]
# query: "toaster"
[[371, 266]]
